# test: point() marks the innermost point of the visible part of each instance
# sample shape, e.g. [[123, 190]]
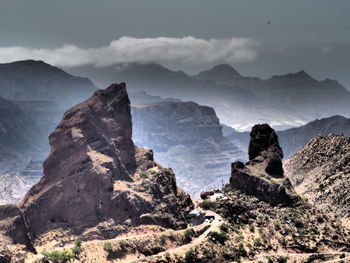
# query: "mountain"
[[320, 171], [223, 73], [283, 101], [142, 97], [19, 138], [187, 137], [292, 140], [37, 80]]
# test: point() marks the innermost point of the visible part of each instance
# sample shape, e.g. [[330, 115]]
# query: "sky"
[[259, 38]]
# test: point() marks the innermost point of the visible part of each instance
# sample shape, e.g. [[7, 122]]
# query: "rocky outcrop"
[[262, 176], [320, 171], [187, 137], [95, 172], [12, 226], [264, 148]]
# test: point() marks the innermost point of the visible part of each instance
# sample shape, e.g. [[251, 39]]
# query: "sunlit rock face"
[[320, 171], [95, 172], [188, 138]]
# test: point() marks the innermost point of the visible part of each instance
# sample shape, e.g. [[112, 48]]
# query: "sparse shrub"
[[251, 228], [107, 246], [152, 251], [56, 256], [123, 245], [113, 253], [320, 219], [277, 225], [298, 223], [224, 227], [188, 234], [227, 188], [241, 250], [217, 237], [163, 239], [282, 259], [76, 250], [191, 256], [257, 241], [269, 260], [144, 174]]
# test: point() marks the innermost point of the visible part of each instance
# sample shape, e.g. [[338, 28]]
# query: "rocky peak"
[[264, 148], [220, 73], [262, 176], [95, 172], [300, 75]]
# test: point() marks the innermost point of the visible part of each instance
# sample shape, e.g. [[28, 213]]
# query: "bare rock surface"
[[95, 172], [262, 176], [321, 172]]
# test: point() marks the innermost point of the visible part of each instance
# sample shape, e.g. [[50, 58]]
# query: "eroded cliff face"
[[95, 172], [321, 172], [263, 176], [187, 137]]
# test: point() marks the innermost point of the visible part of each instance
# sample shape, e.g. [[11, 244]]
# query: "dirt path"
[[182, 249]]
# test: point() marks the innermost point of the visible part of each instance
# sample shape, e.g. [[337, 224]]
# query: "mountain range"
[[284, 101]]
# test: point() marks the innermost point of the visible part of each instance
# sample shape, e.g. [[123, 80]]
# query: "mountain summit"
[[219, 73]]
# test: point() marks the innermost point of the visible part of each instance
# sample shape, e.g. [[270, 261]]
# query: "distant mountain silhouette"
[[283, 101], [37, 80]]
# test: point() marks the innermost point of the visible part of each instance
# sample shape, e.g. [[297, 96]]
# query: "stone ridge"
[[320, 171], [93, 172]]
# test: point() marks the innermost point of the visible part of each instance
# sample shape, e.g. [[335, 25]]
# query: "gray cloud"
[[185, 50]]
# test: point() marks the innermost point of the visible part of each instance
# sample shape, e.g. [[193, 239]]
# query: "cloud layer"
[[187, 50]]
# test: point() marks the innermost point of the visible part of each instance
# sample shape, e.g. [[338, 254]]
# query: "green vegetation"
[[224, 228], [56, 256], [163, 239], [191, 256], [115, 253], [76, 250], [144, 174], [282, 259], [188, 234], [152, 251], [63, 256], [257, 241], [217, 237]]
